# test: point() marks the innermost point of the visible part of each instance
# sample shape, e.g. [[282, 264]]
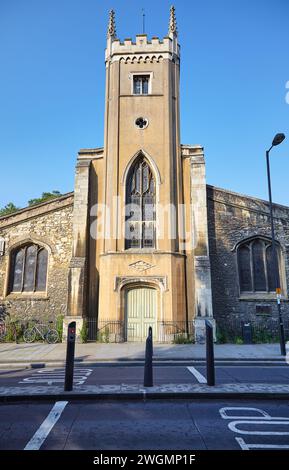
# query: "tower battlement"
[[142, 48]]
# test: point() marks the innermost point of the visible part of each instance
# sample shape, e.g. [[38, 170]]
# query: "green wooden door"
[[141, 312]]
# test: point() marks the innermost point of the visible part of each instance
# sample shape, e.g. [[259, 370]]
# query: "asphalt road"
[[167, 425], [133, 374]]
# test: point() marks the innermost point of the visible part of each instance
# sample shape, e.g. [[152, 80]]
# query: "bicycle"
[[43, 330]]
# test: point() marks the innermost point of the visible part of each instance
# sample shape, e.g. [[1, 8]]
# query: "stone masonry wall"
[[232, 218], [49, 224]]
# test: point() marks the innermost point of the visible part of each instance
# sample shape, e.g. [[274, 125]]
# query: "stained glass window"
[[29, 269], [17, 271], [140, 206], [259, 266], [245, 268], [270, 267], [256, 266], [41, 271]]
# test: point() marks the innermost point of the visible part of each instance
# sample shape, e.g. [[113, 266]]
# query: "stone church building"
[[143, 240]]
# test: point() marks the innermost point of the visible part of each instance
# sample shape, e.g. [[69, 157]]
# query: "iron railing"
[[175, 331], [107, 331], [263, 329]]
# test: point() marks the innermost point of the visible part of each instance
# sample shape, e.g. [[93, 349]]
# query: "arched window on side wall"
[[256, 265], [140, 206], [28, 272]]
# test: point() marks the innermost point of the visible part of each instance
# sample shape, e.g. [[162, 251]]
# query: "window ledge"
[[134, 95], [26, 296], [140, 250], [258, 297]]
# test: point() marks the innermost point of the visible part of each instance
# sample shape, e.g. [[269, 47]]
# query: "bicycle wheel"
[[52, 336], [29, 335]]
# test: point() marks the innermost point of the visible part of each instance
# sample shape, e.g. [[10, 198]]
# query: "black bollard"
[[68, 385], [210, 354], [151, 335], [148, 370]]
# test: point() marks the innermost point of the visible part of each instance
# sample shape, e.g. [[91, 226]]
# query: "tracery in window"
[[28, 269], [256, 265], [140, 206]]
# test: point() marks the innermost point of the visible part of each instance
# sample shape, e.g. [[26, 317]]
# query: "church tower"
[[133, 260], [142, 172], [142, 124]]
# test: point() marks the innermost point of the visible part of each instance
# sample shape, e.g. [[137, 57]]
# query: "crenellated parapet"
[[142, 50]]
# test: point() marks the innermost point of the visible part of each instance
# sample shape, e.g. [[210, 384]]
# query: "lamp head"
[[278, 139]]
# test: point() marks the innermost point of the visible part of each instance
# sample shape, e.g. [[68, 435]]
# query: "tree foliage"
[[8, 209], [44, 197]]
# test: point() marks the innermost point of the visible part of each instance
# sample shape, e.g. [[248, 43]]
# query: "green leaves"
[[9, 209], [46, 196]]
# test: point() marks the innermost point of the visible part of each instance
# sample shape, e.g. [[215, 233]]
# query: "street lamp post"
[[276, 141]]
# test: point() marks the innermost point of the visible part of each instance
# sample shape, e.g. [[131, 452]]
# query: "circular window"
[[141, 122]]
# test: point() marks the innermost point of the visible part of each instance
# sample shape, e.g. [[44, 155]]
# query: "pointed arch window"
[[140, 206], [28, 271], [256, 266]]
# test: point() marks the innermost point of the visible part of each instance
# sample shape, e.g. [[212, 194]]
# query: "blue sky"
[[235, 66]]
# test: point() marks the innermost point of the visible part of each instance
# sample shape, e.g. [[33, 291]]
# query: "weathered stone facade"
[[232, 218], [50, 225]]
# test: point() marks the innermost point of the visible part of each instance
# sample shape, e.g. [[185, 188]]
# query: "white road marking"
[[200, 378], [42, 432], [50, 376], [51, 381], [223, 413], [242, 443], [233, 427], [245, 446], [258, 418], [61, 371]]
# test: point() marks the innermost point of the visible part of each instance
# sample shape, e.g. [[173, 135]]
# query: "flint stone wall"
[[50, 225]]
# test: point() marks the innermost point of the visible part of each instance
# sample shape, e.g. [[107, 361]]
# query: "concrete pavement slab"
[[148, 428], [28, 355]]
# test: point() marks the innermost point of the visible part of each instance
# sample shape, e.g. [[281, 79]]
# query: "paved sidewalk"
[[48, 355], [29, 354]]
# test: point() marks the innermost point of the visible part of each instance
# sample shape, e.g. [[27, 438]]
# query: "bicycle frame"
[[41, 329]]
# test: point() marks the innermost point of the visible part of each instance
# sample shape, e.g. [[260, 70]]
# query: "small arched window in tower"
[[141, 84], [140, 206], [28, 271], [256, 265]]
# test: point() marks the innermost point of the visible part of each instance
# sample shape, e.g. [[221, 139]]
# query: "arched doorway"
[[140, 312]]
